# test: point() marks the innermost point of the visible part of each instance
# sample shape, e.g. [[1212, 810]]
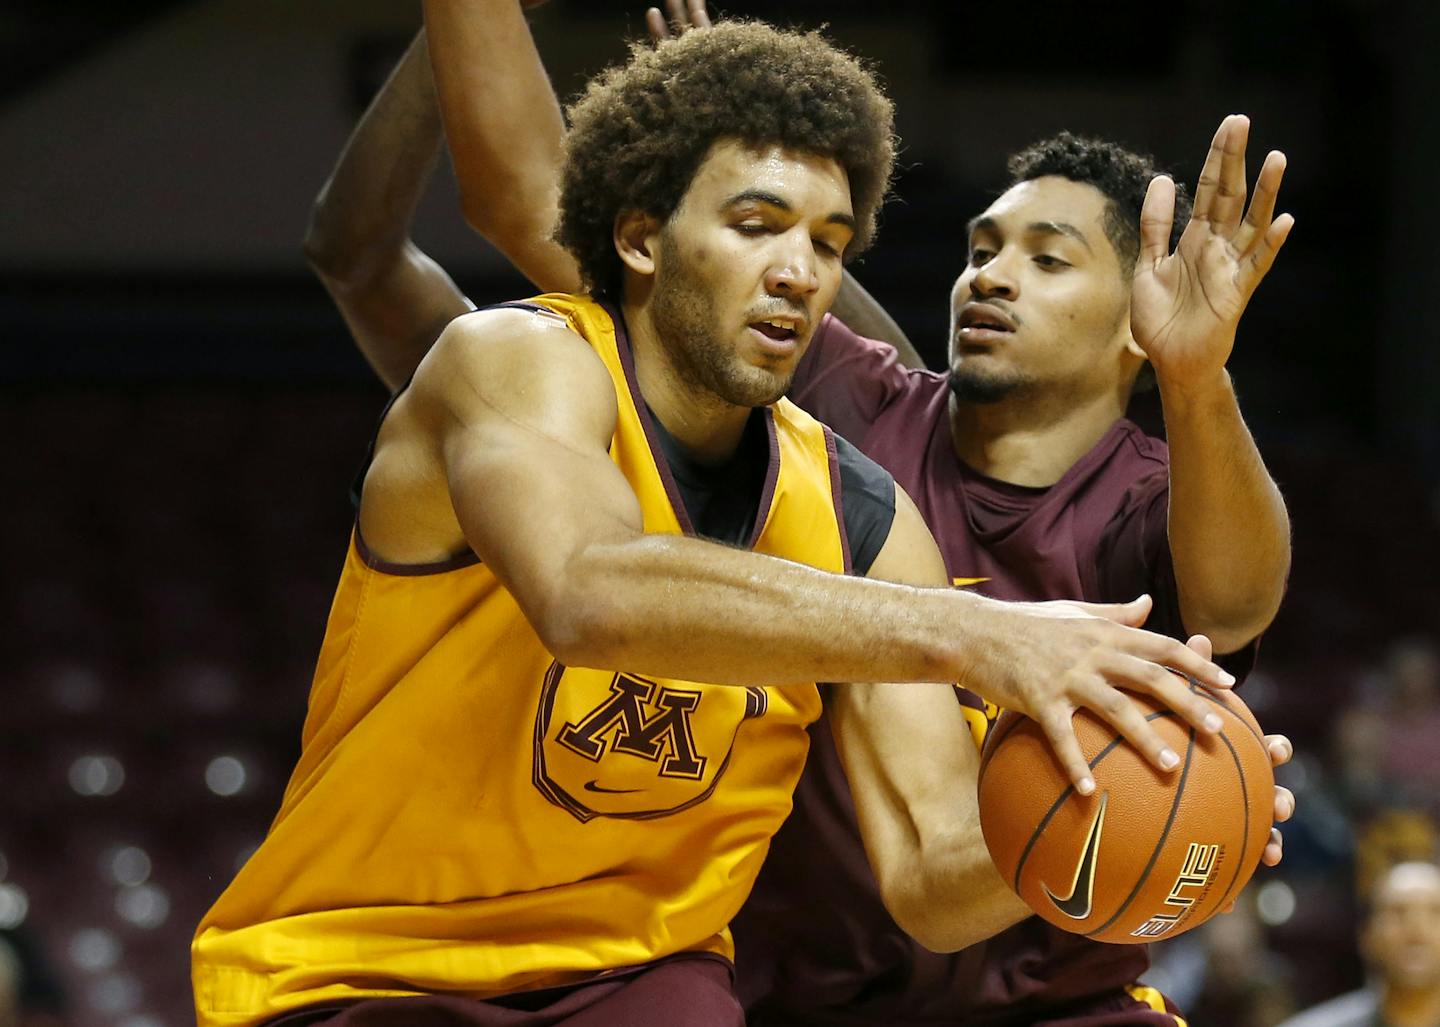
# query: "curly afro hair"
[[640, 131], [1121, 175]]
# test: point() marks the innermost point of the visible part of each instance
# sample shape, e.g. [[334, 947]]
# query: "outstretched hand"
[[684, 15], [1185, 305], [1053, 658]]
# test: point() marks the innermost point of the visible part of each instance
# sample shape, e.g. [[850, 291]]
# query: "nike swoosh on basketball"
[[593, 786], [1076, 904]]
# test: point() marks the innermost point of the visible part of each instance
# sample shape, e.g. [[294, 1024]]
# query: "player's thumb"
[[1201, 645], [1131, 614]]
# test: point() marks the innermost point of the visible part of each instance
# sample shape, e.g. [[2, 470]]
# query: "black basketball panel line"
[[1070, 790], [1245, 837], [1164, 836]]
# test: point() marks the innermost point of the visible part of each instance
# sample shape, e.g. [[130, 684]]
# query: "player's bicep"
[[526, 412]]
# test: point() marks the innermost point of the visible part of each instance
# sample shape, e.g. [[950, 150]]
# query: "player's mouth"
[[981, 325], [779, 335]]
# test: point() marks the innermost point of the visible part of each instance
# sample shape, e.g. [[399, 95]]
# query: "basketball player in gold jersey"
[[554, 723]]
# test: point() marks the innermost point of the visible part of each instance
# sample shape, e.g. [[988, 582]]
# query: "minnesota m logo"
[[624, 723]]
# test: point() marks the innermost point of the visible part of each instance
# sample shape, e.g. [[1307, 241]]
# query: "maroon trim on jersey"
[[466, 558], [632, 381], [686, 989], [772, 477], [657, 452], [837, 497]]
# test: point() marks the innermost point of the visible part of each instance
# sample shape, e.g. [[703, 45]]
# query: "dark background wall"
[[184, 408]]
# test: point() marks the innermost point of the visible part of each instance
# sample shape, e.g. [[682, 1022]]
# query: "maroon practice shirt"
[[814, 943]]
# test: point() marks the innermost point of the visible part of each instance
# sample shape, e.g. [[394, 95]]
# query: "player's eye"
[[980, 257], [1052, 263], [751, 228]]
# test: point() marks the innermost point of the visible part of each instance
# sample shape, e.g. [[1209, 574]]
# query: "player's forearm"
[[920, 821], [749, 619], [1229, 529], [504, 129], [948, 895], [361, 221]]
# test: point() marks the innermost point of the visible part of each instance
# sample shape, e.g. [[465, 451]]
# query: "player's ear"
[[1128, 340], [635, 235]]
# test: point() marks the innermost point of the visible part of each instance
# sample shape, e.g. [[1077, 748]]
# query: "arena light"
[[225, 776], [127, 865], [96, 775], [146, 906], [14, 905], [1275, 903], [94, 949]]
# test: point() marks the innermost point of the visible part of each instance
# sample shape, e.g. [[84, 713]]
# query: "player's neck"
[[1411, 1007], [706, 427], [1026, 440]]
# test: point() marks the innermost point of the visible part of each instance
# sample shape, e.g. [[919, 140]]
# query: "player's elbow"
[[1234, 621], [322, 249], [581, 629], [935, 921], [343, 259]]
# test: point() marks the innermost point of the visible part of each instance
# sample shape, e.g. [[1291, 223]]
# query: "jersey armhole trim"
[[837, 497], [464, 558]]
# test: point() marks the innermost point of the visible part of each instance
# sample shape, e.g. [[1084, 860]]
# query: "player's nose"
[[793, 271], [995, 277]]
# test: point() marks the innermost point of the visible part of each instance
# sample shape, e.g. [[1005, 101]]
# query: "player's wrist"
[[981, 635], [1194, 391]]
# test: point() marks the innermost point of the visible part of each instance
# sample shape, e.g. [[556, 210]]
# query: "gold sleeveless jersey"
[[470, 817]]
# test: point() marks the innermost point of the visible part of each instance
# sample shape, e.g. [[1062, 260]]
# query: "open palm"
[[1185, 306]]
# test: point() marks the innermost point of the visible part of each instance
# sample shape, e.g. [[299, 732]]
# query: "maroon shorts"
[[683, 991]]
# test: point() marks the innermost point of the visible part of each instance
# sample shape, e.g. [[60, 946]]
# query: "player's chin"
[[763, 385]]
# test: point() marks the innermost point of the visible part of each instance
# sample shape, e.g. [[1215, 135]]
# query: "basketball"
[[1148, 854]]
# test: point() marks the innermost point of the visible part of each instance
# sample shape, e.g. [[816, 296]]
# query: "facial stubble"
[[685, 316]]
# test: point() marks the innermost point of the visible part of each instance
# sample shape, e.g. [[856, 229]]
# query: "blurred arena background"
[[183, 411]]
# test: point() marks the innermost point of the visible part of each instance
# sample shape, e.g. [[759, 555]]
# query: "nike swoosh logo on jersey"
[[1076, 904], [593, 786]]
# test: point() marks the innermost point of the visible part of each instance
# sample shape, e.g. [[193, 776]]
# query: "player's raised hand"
[[683, 15], [1056, 657], [1185, 305]]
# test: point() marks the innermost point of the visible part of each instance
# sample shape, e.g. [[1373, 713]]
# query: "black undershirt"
[[723, 499]]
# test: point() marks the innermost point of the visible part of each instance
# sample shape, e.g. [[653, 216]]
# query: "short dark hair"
[[641, 130], [1121, 176]]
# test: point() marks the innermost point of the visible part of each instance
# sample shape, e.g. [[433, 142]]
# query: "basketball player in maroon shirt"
[[1020, 459]]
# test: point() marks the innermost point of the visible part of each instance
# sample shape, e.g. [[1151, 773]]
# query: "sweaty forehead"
[[1050, 200], [732, 168]]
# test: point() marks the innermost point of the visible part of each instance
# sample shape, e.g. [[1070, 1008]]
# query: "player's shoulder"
[[522, 338], [510, 357], [522, 322]]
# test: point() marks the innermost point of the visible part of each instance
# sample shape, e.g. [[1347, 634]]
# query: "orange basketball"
[[1148, 854]]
